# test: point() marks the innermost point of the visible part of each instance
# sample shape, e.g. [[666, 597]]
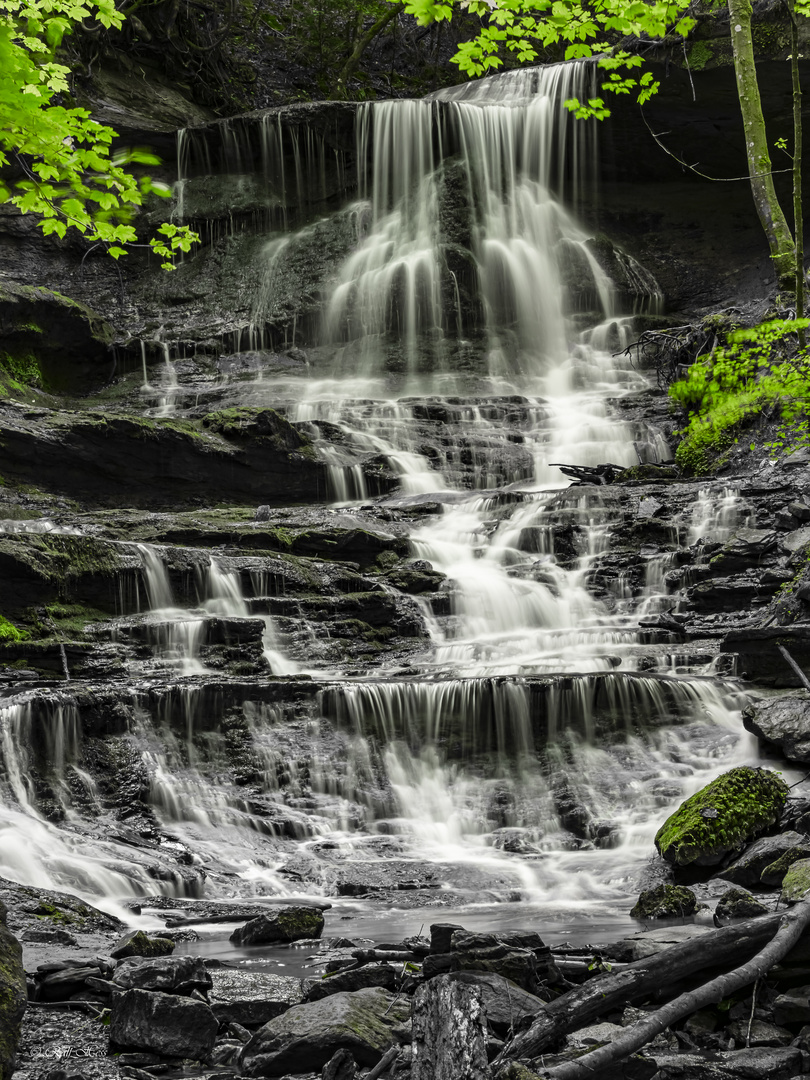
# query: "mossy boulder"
[[664, 902], [288, 924], [137, 943], [738, 904], [717, 820], [796, 882], [306, 1037], [13, 996]]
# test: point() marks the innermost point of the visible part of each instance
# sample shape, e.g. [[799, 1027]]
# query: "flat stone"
[[753, 1063], [166, 974], [251, 997]]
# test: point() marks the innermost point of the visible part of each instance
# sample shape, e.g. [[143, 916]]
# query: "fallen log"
[[449, 1032], [597, 996], [791, 927]]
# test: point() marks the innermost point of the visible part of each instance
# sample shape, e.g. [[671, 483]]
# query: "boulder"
[[721, 817], [137, 943], [166, 974], [285, 925], [383, 975], [793, 1007], [796, 882], [753, 1063], [163, 1024], [64, 983], [13, 996], [783, 722], [758, 1033], [307, 1036], [664, 902], [738, 904], [251, 997], [747, 870]]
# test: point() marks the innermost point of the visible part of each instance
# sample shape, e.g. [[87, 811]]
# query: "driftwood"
[[449, 1032], [791, 927], [803, 678], [590, 474], [577, 1008], [390, 1055]]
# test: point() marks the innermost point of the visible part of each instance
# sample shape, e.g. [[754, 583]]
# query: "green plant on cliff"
[[610, 30], [57, 161], [9, 632], [761, 370]]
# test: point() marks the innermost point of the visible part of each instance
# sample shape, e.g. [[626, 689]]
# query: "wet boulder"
[[664, 902], [137, 943], [382, 975], [308, 1036], [762, 855], [738, 904], [13, 996], [286, 925], [793, 1007], [783, 722], [163, 1024], [167, 974], [720, 818], [251, 997]]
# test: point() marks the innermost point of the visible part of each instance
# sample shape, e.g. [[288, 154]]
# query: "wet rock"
[[760, 661], [777, 1063], [796, 882], [746, 548], [62, 984], [48, 937], [783, 722], [793, 1007], [721, 817], [738, 904], [13, 996], [163, 1024], [288, 924], [382, 975], [748, 868], [251, 997], [760, 1033], [169, 975], [137, 943], [664, 902], [307, 1036]]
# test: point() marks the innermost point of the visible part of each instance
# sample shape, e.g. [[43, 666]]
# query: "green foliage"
[[9, 632], [21, 368], [71, 177], [760, 369], [576, 28]]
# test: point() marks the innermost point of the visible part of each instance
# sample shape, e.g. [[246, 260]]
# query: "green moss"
[[796, 882], [699, 55], [57, 916], [722, 816], [9, 632], [301, 922]]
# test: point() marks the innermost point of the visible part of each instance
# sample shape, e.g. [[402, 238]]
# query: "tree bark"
[[600, 995], [771, 215], [791, 927], [798, 216], [449, 1032]]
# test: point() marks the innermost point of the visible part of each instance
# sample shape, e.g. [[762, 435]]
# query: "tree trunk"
[[361, 44], [449, 1032], [600, 995], [777, 230], [798, 217], [791, 927]]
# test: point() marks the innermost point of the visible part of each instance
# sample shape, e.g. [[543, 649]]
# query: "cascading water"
[[469, 343]]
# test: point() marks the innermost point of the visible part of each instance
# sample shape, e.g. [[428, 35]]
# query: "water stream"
[[538, 739]]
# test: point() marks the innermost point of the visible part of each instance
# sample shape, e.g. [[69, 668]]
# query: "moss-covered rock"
[[13, 996], [721, 817], [664, 902], [288, 924], [796, 882], [738, 904], [137, 943]]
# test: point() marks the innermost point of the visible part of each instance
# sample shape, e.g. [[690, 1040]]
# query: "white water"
[[469, 382]]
